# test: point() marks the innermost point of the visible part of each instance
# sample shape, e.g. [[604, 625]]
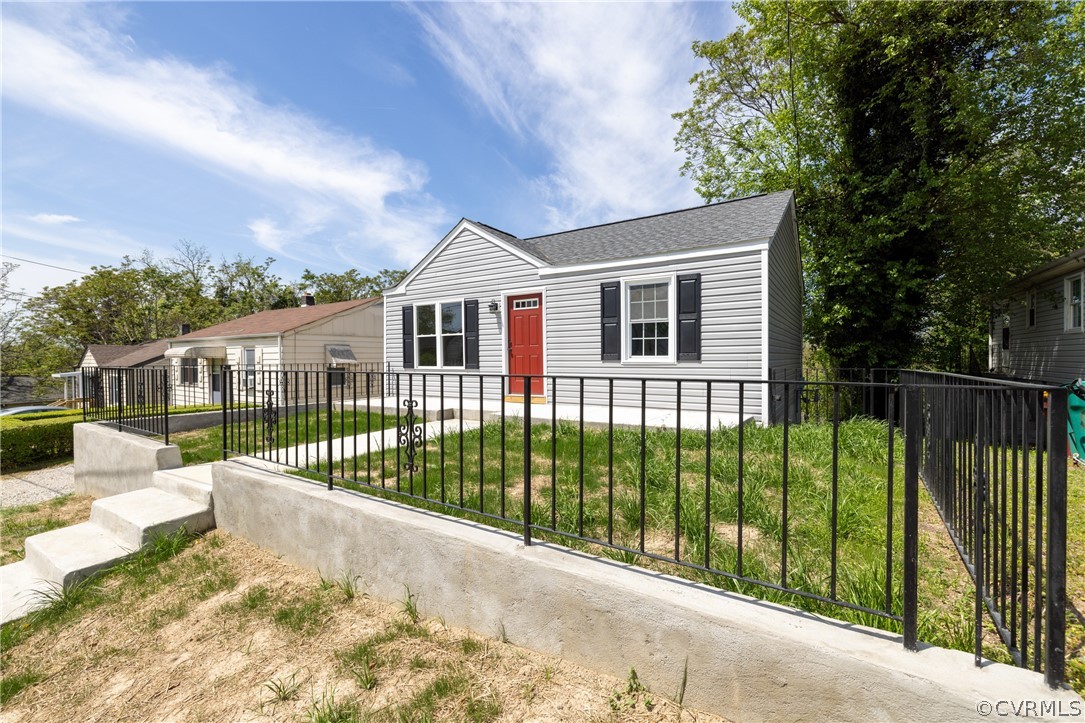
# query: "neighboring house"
[[712, 292], [113, 356], [103, 355], [1038, 332], [343, 335]]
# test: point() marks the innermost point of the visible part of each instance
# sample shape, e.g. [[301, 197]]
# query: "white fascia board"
[[401, 288], [199, 341], [659, 259]]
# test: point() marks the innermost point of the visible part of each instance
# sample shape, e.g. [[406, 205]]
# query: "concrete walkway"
[[118, 527], [311, 455], [594, 414]]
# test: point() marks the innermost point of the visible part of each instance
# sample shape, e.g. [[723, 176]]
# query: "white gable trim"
[[658, 259], [401, 288]]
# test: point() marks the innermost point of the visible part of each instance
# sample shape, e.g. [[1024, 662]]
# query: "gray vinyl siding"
[[730, 337], [785, 299], [785, 292], [469, 267], [1045, 352]]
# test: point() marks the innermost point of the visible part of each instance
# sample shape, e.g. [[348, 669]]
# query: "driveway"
[[39, 485]]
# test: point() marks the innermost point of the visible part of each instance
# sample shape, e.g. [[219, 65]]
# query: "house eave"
[[658, 259]]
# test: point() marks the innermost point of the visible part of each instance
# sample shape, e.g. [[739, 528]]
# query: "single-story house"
[[341, 335], [1038, 332], [112, 356], [707, 293]]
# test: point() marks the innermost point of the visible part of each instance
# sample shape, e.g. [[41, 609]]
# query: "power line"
[[39, 263]]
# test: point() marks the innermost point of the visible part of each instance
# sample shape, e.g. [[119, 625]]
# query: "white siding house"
[[1038, 333], [346, 334], [707, 293]]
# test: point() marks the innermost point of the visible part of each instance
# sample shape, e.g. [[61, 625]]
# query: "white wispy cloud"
[[53, 219], [594, 83], [77, 62]]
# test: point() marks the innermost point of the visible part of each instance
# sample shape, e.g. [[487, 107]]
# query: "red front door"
[[525, 342]]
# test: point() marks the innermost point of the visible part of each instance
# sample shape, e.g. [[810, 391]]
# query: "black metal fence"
[[819, 509], [134, 399], [994, 461], [194, 384]]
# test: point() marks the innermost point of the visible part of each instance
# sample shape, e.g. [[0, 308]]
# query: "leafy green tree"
[[242, 286], [941, 150], [327, 288]]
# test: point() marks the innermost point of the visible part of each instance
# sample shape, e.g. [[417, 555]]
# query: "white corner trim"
[[401, 288], [766, 400], [659, 259]]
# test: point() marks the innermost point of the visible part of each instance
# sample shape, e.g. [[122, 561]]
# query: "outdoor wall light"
[[494, 306]]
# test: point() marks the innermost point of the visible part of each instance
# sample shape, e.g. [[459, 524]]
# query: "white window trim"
[[250, 370], [1067, 314], [1030, 309], [627, 322], [437, 335], [181, 372]]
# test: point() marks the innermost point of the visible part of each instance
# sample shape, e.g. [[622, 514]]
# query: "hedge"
[[35, 438]]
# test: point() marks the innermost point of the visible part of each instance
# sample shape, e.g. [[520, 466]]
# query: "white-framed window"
[[190, 371], [248, 359], [649, 319], [439, 335], [1075, 302]]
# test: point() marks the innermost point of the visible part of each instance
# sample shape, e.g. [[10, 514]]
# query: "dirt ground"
[[225, 631]]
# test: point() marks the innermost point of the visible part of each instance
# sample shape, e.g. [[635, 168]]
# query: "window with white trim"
[[1075, 303], [190, 371], [439, 334], [648, 326], [249, 360]]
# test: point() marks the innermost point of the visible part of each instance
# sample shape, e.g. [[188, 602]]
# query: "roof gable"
[[508, 242], [105, 354], [277, 321]]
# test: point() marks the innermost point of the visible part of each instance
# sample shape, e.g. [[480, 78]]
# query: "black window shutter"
[[470, 334], [689, 317], [611, 317], [408, 337]]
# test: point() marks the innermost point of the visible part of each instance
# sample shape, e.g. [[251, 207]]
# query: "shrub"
[[35, 438]]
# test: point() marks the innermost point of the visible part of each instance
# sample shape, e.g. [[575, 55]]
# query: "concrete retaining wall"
[[747, 660], [109, 462]]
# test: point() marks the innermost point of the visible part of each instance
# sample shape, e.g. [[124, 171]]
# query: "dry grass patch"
[[19, 523], [227, 631]]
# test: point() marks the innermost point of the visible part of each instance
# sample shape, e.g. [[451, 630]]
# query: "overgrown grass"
[[19, 523], [690, 499]]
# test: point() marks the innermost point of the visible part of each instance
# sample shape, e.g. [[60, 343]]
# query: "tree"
[[242, 287], [10, 314], [328, 288], [940, 156]]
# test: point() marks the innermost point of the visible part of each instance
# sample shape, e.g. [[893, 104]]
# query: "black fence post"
[[1055, 614], [224, 370], [331, 445], [527, 460], [166, 403], [979, 508], [912, 440]]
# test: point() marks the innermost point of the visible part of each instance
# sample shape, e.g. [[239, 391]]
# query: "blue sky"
[[333, 135]]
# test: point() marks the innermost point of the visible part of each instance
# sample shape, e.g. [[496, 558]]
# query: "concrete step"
[[193, 482], [22, 590], [135, 517], [70, 554]]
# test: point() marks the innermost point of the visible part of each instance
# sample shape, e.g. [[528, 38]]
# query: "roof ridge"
[[654, 215]]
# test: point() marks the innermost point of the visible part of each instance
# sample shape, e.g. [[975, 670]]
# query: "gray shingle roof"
[[717, 224]]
